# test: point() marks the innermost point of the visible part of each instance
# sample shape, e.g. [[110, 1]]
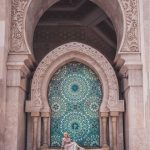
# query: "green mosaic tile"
[[75, 95]]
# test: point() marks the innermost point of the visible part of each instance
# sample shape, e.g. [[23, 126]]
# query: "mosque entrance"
[[75, 88]]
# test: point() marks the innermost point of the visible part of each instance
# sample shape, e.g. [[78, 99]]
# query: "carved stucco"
[[17, 25], [132, 26], [131, 31], [74, 52]]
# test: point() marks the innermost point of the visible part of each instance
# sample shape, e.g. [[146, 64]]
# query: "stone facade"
[[18, 19]]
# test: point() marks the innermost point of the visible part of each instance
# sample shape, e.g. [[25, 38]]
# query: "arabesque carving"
[[130, 43], [109, 80], [17, 25], [131, 15]]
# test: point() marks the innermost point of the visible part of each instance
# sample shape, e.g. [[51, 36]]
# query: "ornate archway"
[[38, 106], [123, 14]]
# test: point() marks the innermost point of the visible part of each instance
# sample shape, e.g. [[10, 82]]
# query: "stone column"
[[45, 117], [17, 77], [134, 114], [114, 116], [104, 119], [35, 116]]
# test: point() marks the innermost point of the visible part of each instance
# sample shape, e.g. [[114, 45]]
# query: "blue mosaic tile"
[[75, 95]]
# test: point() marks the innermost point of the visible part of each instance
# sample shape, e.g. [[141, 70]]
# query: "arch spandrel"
[[85, 54], [28, 12], [116, 7]]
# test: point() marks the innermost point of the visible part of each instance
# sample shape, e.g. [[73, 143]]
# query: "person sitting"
[[68, 144]]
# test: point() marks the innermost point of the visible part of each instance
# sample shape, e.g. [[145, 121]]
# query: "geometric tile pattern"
[[75, 95]]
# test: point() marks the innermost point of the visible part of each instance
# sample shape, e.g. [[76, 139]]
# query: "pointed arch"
[[85, 54]]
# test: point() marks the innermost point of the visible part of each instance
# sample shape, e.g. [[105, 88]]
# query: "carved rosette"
[[17, 25], [131, 20], [42, 69]]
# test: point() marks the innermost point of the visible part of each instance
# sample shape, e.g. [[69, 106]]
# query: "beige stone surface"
[[2, 31], [15, 119], [134, 114], [15, 124], [3, 10], [145, 45], [4, 45]]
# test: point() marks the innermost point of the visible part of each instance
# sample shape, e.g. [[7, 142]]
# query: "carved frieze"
[[130, 10], [17, 25], [132, 26], [109, 76]]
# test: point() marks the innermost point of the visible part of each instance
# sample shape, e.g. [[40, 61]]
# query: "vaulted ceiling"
[[74, 20]]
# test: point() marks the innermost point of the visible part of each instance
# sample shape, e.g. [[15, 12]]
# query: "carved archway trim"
[[85, 54], [129, 28]]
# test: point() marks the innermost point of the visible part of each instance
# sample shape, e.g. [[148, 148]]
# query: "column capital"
[[18, 70], [35, 114], [130, 66], [127, 58], [45, 114], [104, 114], [114, 114], [27, 59], [132, 75]]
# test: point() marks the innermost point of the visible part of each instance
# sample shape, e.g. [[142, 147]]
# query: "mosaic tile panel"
[[75, 95]]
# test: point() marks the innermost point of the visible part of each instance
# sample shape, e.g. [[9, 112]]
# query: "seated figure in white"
[[68, 144]]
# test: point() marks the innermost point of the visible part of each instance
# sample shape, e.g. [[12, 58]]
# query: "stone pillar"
[[17, 77], [134, 114], [35, 116], [45, 117], [104, 119], [114, 116]]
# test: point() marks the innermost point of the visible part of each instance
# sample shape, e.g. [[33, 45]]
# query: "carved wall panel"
[[131, 32], [74, 52], [132, 26], [17, 25]]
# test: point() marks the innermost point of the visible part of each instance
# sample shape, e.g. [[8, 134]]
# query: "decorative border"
[[130, 10], [87, 54], [17, 25], [132, 26]]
